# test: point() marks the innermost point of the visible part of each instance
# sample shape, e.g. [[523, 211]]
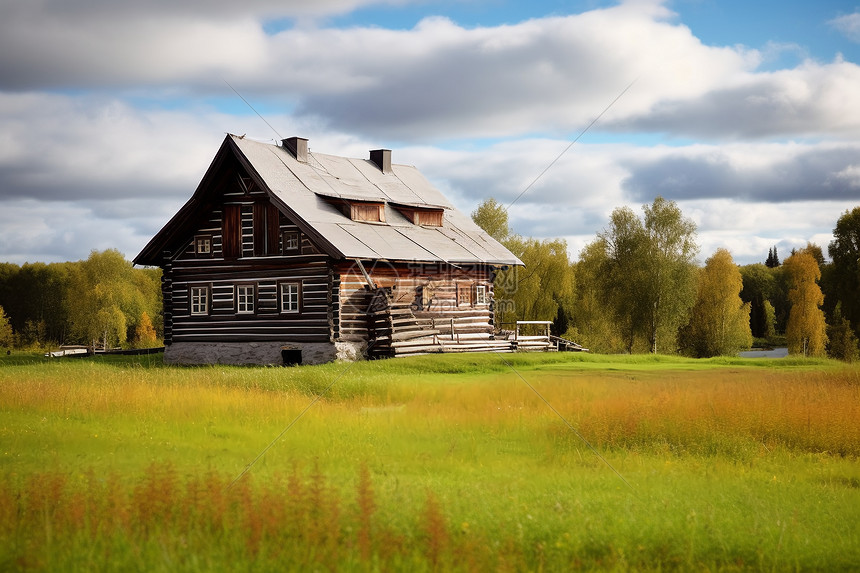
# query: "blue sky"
[[744, 113]]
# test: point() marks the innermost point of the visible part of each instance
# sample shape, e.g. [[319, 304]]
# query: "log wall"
[[262, 265], [422, 303]]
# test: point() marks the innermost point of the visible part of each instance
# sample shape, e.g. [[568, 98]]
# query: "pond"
[[772, 353]]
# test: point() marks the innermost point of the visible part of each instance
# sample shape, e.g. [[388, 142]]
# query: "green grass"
[[434, 462]]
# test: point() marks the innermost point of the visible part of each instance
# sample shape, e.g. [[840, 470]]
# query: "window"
[[290, 297], [291, 242], [481, 294], [464, 294], [203, 246], [200, 300], [245, 299]]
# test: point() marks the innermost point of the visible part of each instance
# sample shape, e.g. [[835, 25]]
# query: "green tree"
[[7, 335], [492, 217], [102, 296], [670, 270], [760, 287], [816, 253], [806, 330], [719, 320], [543, 289], [842, 343], [623, 276], [844, 251], [647, 275], [772, 258], [594, 322], [34, 293]]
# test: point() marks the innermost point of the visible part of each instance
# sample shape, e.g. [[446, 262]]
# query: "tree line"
[[637, 287], [101, 302]]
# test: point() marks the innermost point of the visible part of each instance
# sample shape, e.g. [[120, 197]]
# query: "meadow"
[[466, 462]]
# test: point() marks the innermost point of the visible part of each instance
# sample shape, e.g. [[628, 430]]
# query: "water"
[[774, 353]]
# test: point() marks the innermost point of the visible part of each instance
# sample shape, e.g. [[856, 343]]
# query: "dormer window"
[[359, 209], [429, 215]]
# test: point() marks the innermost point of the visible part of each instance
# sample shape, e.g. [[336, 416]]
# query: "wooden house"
[[283, 255]]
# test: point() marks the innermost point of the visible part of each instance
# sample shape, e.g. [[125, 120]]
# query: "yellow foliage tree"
[[6, 334], [806, 330], [144, 333], [719, 320]]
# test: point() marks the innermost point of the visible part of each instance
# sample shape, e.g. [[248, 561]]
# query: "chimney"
[[298, 147], [382, 158]]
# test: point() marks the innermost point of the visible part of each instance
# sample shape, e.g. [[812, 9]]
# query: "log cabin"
[[284, 256]]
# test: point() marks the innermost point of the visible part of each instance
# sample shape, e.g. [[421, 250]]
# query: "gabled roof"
[[303, 191]]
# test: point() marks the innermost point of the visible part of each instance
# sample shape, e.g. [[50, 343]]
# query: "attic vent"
[[421, 215], [382, 158], [298, 147]]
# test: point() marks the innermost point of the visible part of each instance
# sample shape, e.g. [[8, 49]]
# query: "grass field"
[[470, 462]]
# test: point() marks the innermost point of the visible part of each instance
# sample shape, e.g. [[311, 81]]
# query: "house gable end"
[[233, 198]]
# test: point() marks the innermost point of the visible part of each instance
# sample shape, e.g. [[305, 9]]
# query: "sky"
[[747, 114]]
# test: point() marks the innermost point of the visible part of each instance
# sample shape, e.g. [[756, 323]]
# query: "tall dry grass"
[[48, 521], [460, 467], [721, 412]]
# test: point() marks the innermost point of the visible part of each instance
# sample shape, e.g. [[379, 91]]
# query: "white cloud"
[[553, 74], [439, 80], [114, 174], [848, 25], [83, 167]]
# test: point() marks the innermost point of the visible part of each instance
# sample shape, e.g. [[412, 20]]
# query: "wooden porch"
[[398, 329]]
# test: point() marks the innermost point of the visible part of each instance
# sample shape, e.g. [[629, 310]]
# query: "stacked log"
[[396, 329]]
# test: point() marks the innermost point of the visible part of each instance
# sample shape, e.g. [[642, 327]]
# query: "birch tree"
[[719, 320], [670, 270], [806, 331], [624, 274], [102, 294]]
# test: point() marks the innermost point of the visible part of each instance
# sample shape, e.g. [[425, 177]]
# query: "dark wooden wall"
[[247, 248], [257, 260]]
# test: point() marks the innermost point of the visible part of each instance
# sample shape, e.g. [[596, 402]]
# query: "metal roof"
[[304, 191], [304, 187]]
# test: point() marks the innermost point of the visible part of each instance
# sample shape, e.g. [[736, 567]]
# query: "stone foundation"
[[259, 353]]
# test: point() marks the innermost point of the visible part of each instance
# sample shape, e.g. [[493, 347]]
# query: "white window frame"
[[246, 297], [199, 300], [480, 294], [290, 302], [292, 241], [203, 245]]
